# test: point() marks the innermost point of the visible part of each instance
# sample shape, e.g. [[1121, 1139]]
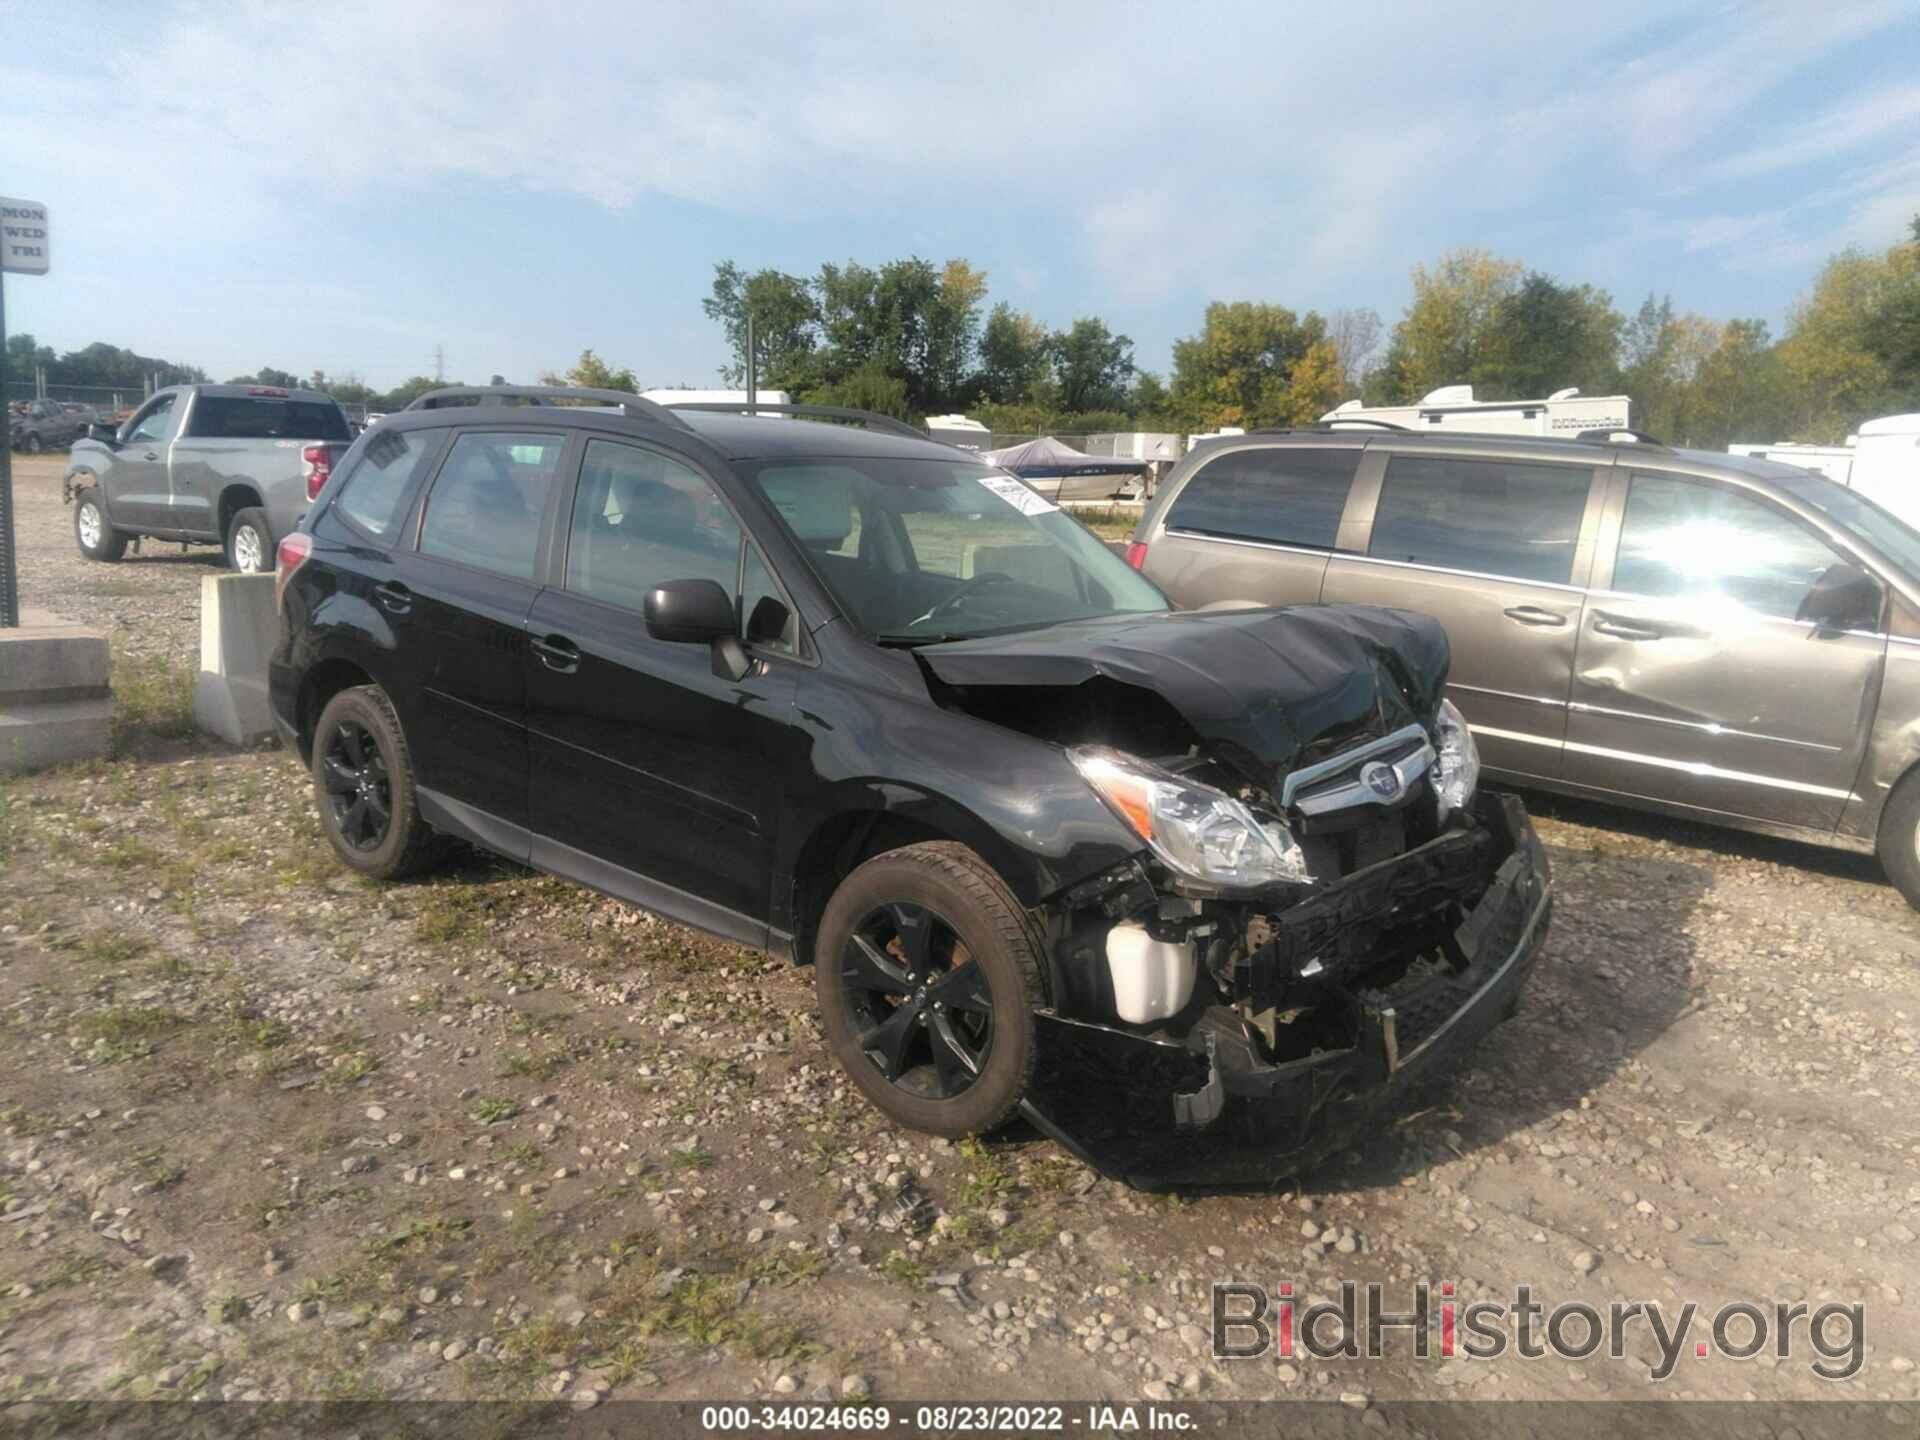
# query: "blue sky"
[[237, 185]]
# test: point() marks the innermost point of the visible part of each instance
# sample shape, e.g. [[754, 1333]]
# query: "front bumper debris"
[[1209, 1109]]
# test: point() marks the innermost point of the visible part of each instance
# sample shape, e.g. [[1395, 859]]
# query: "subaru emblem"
[[1383, 780]]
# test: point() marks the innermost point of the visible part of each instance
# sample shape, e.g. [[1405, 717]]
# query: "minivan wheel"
[[363, 779], [928, 975], [96, 538], [1899, 844], [250, 543]]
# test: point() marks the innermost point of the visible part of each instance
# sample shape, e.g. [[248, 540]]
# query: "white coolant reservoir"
[[1152, 979]]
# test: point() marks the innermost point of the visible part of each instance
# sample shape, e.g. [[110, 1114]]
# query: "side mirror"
[[1845, 597], [101, 431], [698, 612]]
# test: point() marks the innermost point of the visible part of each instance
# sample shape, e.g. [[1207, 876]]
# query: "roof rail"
[[1606, 435], [1322, 427], [872, 419], [636, 407]]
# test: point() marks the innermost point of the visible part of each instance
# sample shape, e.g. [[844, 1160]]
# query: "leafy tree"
[[1736, 389], [267, 375], [1546, 336], [1451, 326], [1239, 369], [1092, 366], [786, 322], [590, 372], [1150, 404], [1355, 334], [869, 388], [1852, 347], [1015, 353]]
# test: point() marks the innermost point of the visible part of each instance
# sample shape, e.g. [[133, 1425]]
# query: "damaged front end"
[[1325, 912]]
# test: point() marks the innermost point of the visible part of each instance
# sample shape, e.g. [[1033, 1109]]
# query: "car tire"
[[249, 542], [363, 783], [32, 445], [92, 532], [1899, 841], [937, 1039]]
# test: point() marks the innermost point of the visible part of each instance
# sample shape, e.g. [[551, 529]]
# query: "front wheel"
[[250, 543], [97, 539], [1899, 843], [927, 973], [363, 778]]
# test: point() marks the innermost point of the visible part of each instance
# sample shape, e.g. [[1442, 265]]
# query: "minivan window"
[[640, 520], [246, 417], [1853, 512], [485, 507], [947, 549], [374, 490], [1493, 517], [1282, 495], [1682, 538]]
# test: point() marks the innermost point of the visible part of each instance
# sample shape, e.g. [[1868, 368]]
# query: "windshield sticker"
[[1018, 495]]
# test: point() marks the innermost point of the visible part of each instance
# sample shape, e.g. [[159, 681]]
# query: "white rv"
[[1563, 414], [1833, 461], [715, 397], [1886, 465]]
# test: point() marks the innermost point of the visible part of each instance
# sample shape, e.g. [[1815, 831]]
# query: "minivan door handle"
[[1624, 630], [1534, 615], [394, 597], [556, 652]]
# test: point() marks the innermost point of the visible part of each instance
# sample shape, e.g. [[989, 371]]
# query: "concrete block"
[[55, 702], [239, 628]]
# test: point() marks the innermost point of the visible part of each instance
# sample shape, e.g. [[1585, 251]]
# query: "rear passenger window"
[[377, 487], [246, 417], [1680, 538], [639, 520], [485, 506], [1493, 517], [1283, 495]]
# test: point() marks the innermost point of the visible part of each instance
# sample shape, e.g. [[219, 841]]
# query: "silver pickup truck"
[[234, 465]]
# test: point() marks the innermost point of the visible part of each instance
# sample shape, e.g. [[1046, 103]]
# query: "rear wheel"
[[97, 539], [250, 542], [1899, 844], [928, 975], [363, 779]]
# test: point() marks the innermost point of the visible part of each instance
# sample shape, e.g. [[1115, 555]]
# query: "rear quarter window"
[[374, 492], [1284, 496]]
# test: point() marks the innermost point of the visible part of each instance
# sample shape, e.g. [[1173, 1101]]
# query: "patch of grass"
[[152, 699], [492, 1109], [158, 1170], [110, 947], [422, 1235], [694, 1159], [227, 1309], [987, 1179], [22, 1121], [1054, 1175], [452, 915], [126, 1032], [530, 1064], [903, 1267], [1113, 522], [520, 1153]]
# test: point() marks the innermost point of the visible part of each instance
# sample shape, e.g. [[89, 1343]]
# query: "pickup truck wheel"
[[250, 543], [1899, 842], [363, 779], [96, 538], [928, 974]]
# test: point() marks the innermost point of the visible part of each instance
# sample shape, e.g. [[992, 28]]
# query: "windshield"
[[924, 550], [1881, 529]]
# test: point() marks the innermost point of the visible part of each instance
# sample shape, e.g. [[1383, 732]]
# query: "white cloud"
[[1887, 113]]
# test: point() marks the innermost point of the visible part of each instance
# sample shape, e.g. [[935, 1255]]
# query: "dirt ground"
[[271, 1131]]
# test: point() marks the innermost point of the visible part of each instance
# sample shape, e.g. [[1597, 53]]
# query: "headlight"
[[1456, 772], [1197, 830]]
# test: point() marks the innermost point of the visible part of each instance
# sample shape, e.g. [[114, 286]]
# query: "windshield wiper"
[[907, 640]]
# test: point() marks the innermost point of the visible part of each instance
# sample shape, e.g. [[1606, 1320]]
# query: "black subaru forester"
[[1199, 894]]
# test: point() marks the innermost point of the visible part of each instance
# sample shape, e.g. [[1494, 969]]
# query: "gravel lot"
[[270, 1131]]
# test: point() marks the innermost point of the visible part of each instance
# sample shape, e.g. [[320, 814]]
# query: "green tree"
[[1092, 366], [1450, 329], [1015, 353], [786, 323], [907, 318], [1545, 336], [590, 372], [267, 375], [1239, 369], [869, 388]]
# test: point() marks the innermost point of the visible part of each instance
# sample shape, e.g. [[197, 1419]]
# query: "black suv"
[[1196, 893]]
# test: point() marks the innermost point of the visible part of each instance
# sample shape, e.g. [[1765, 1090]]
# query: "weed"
[[492, 1109], [126, 1032], [903, 1267], [152, 698]]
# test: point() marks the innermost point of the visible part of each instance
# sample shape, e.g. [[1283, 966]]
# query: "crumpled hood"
[[1269, 690]]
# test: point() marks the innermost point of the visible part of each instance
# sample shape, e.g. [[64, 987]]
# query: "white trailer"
[[961, 431], [1833, 461], [1563, 414], [715, 397], [1886, 465], [1150, 445]]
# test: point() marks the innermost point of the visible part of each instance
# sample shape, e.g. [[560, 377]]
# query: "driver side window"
[[156, 424]]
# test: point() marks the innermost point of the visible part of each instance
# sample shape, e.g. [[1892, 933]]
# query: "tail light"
[[1137, 554], [319, 468], [291, 555]]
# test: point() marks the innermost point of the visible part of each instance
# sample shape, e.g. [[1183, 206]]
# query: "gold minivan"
[[1705, 635]]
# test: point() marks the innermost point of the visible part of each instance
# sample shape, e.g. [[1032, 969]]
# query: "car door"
[[1694, 683], [1255, 523], [653, 777], [1496, 548], [138, 492], [463, 594]]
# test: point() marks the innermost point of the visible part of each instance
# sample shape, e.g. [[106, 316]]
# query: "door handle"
[[153, 455], [556, 652], [394, 597], [1623, 630], [1534, 615]]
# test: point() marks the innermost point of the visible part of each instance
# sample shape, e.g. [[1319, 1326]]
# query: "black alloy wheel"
[[917, 1003], [359, 791]]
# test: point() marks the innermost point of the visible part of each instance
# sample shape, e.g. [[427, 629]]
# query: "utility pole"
[[439, 364], [9, 572], [753, 369]]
